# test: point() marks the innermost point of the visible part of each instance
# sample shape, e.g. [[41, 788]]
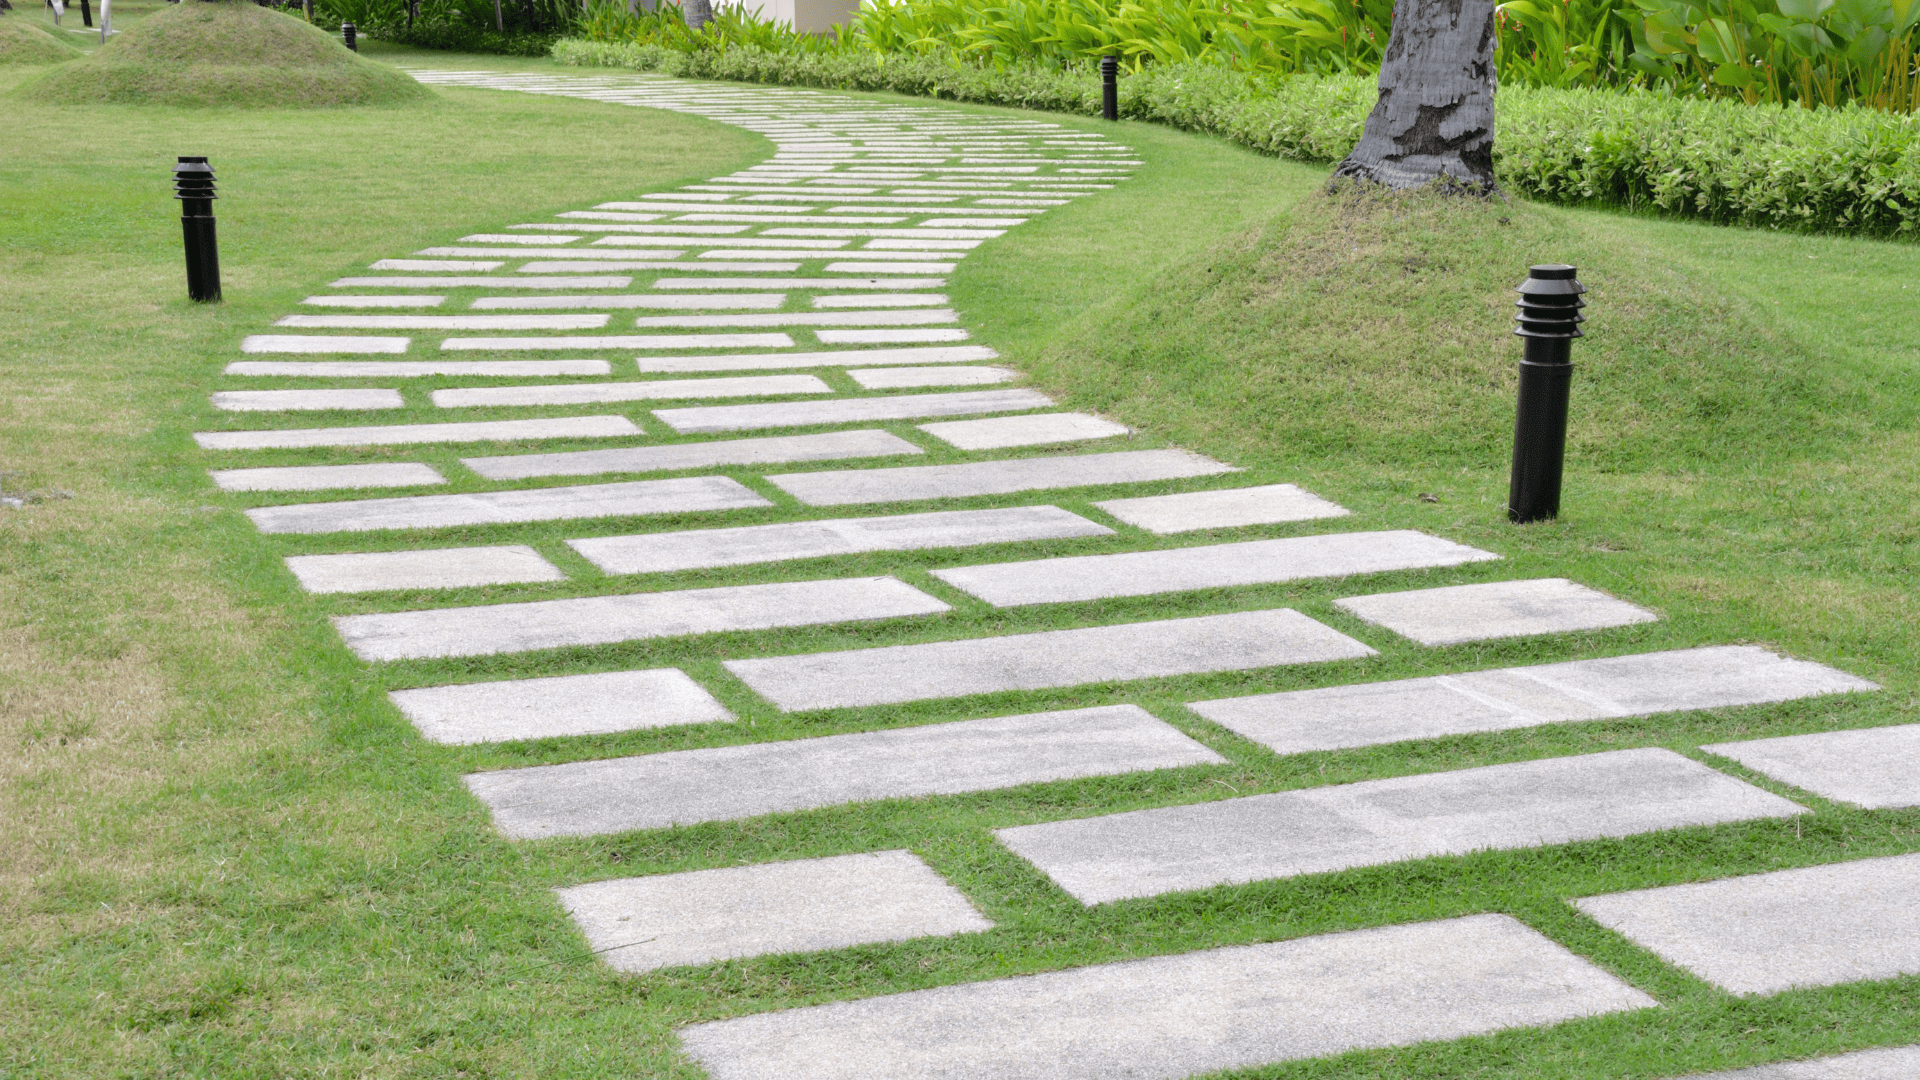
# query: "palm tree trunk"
[[1435, 114], [696, 12]]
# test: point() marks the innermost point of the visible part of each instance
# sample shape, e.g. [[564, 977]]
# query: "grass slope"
[[225, 854], [225, 53], [21, 42]]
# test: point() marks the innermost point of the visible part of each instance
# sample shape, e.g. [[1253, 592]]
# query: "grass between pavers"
[[244, 863]]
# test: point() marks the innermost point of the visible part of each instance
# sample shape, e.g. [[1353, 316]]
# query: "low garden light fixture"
[[193, 186], [1549, 320], [1110, 87], [348, 35]]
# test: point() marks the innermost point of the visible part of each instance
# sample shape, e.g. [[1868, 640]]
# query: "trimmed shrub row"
[[456, 37], [1848, 170]]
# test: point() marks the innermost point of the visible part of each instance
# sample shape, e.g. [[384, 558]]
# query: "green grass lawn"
[[226, 855]]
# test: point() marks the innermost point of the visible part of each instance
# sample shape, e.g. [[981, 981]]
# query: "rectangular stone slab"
[[561, 427], [727, 783], [660, 552], [1254, 562], [601, 393], [1893, 1063], [889, 317], [612, 281], [447, 322], [885, 676], [916, 482], [1231, 508], [847, 410], [323, 477], [885, 337], [381, 369], [832, 445], [305, 400], [954, 354], [296, 343], [1368, 714], [901, 378], [557, 707], [1765, 933], [906, 283], [432, 264], [675, 301], [440, 568], [808, 905], [679, 496], [1498, 609], [1877, 768], [375, 301], [1170, 1017], [888, 267], [1004, 431], [629, 341], [1375, 822], [604, 620], [898, 300]]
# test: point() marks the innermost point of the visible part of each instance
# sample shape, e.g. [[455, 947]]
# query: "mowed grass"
[[227, 855]]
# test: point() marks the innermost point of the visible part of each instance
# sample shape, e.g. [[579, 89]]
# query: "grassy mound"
[[225, 53], [1378, 327], [21, 42]]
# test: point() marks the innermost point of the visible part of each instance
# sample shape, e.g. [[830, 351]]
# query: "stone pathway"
[[812, 285]]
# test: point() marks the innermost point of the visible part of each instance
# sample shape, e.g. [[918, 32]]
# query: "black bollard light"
[[1549, 321], [193, 186], [347, 34], [1110, 87]]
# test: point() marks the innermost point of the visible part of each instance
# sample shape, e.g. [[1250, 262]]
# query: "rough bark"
[[696, 12], [1434, 118]]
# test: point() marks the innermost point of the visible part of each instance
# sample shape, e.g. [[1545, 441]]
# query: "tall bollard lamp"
[[1110, 87], [349, 36], [193, 186], [1549, 321]]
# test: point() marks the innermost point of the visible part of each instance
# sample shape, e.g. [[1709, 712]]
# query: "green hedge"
[[1842, 170], [466, 39]]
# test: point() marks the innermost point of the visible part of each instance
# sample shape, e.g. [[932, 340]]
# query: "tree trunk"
[[1435, 113], [696, 12]]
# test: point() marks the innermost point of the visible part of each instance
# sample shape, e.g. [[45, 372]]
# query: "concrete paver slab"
[[1893, 1063], [305, 400], [1765, 933], [727, 783], [901, 378], [1005, 431], [682, 495], [1498, 609], [563, 427], [439, 568], [913, 483], [847, 410], [849, 358], [557, 707], [1877, 768], [413, 369], [653, 390], [828, 446], [323, 477], [1231, 508], [1320, 830]]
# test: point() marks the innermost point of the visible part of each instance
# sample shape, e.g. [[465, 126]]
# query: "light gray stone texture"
[[916, 482], [1893, 1063], [323, 477], [1368, 714], [296, 343], [901, 378], [375, 301], [602, 393], [726, 783], [898, 300], [672, 301], [604, 620], [565, 705], [1498, 609], [1765, 933], [847, 410], [1320, 830], [885, 676], [1231, 508], [305, 400], [1169, 1017], [441, 568], [954, 354], [884, 284], [832, 445], [611, 281], [678, 496], [433, 264], [1254, 562], [890, 267], [446, 322], [562, 427], [1877, 768], [809, 905], [510, 238], [659, 552], [627, 341], [885, 337], [908, 317], [1007, 431], [382, 369]]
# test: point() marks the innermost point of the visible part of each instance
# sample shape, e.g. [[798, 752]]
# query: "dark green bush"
[[1841, 170], [459, 37]]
